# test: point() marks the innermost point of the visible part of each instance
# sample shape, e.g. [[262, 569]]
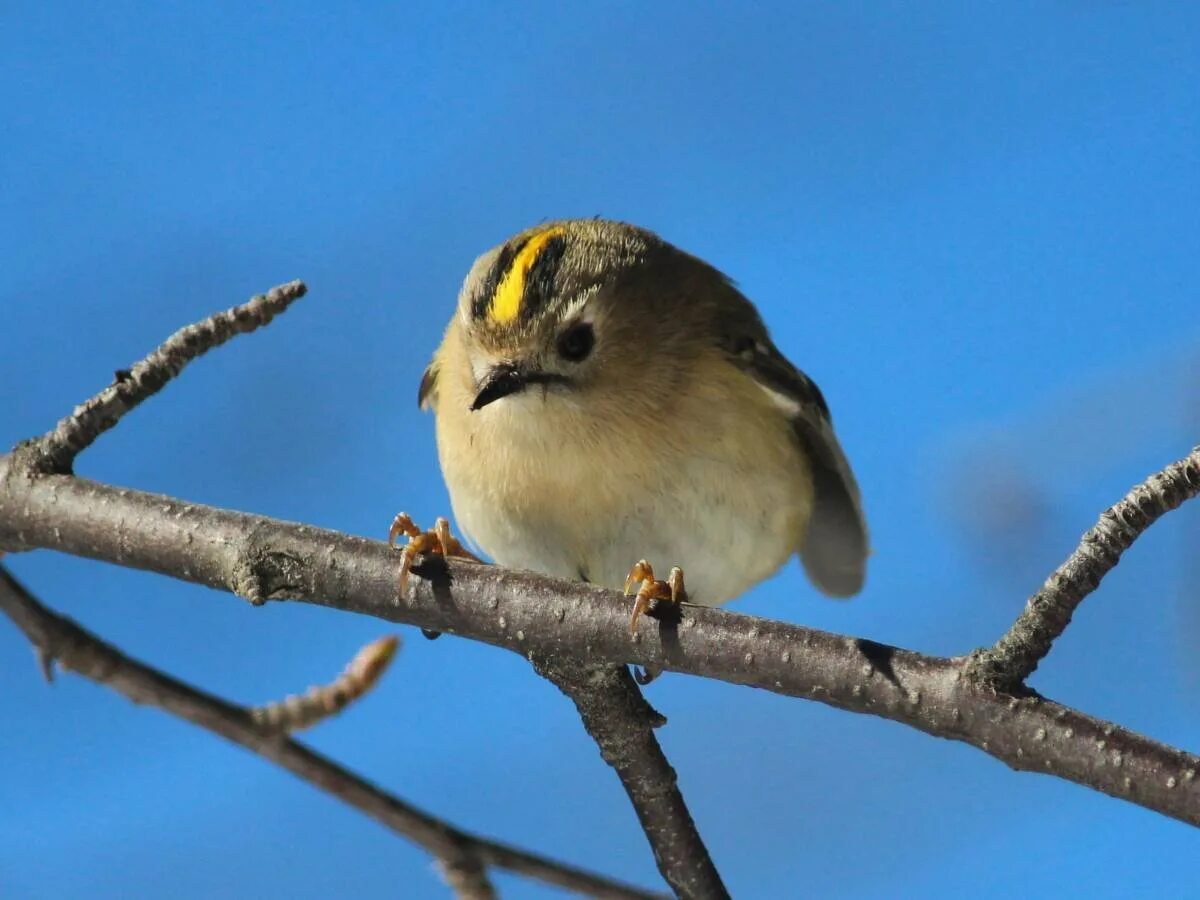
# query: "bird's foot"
[[653, 591], [437, 539]]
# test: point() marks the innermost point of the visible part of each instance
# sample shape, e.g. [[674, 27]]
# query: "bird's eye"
[[576, 342]]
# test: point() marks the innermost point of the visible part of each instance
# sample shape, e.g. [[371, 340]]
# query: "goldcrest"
[[605, 402]]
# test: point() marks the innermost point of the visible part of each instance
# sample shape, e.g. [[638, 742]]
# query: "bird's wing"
[[428, 386], [834, 549]]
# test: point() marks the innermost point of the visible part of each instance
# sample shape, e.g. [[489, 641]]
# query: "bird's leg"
[[652, 590], [437, 539]]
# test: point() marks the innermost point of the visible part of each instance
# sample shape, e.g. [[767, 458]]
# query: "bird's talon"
[[652, 590], [402, 524], [675, 583], [441, 530], [639, 573], [640, 605], [437, 540]]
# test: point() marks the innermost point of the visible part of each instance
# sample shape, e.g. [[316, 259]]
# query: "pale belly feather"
[[558, 499]]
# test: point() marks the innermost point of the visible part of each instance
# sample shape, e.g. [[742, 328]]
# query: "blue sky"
[[975, 225]]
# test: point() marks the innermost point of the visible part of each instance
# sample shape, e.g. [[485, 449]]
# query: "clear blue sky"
[[974, 224]]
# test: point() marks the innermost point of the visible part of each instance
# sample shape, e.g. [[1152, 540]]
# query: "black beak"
[[507, 379], [500, 382]]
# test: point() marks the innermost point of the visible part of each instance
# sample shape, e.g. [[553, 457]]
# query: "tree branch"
[[464, 856], [622, 724], [256, 556], [56, 451], [1016, 655], [554, 622]]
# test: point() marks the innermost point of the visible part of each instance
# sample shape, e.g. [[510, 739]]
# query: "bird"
[[605, 402]]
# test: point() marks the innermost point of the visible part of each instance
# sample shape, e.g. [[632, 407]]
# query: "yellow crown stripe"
[[506, 302]]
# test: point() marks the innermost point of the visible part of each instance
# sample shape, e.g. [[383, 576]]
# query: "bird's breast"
[[539, 483]]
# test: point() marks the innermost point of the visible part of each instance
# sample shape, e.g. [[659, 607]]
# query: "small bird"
[[604, 401]]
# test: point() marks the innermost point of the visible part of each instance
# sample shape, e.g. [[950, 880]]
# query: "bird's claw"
[[437, 539], [652, 590]]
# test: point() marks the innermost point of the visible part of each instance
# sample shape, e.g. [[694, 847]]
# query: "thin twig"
[[1016, 655], [528, 613], [80, 651], [622, 724], [300, 711], [56, 451]]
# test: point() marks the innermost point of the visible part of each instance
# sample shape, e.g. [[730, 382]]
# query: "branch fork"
[[576, 636]]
